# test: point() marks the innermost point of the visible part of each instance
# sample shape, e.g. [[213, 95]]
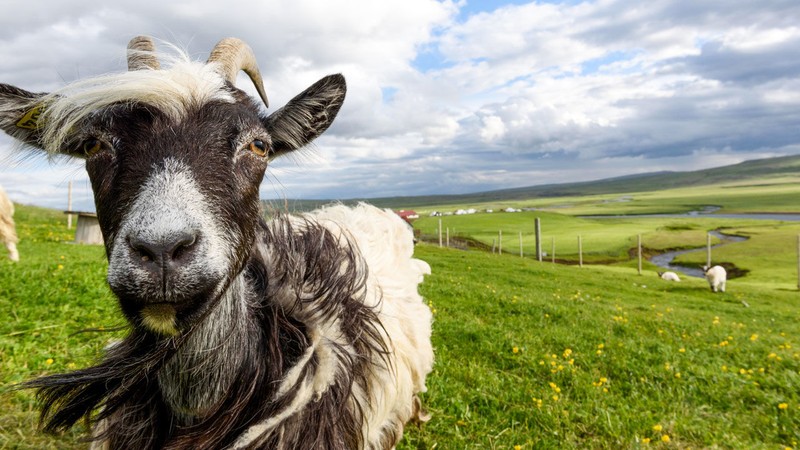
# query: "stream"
[[664, 260]]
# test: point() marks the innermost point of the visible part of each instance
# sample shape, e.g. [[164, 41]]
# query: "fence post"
[[708, 249], [538, 240], [69, 205], [440, 233], [448, 237], [521, 255], [493, 244], [500, 242], [553, 252], [580, 251], [639, 248]]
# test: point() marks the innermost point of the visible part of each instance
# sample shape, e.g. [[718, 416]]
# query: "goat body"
[[669, 276], [8, 232], [297, 332], [717, 277]]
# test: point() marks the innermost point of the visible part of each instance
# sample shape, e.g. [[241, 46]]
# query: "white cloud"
[[440, 100]]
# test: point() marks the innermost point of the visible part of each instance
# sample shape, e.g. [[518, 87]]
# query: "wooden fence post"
[[580, 251], [500, 242], [448, 237], [538, 239], [708, 249], [440, 233], [69, 205], [639, 248], [521, 255], [553, 251]]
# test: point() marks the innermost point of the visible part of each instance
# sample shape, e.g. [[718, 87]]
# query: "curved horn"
[[141, 54], [234, 55]]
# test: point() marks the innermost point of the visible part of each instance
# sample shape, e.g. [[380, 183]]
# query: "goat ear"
[[19, 114], [306, 116]]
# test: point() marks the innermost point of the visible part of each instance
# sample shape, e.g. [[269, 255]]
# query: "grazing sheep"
[[8, 233], [716, 276], [301, 332], [669, 276]]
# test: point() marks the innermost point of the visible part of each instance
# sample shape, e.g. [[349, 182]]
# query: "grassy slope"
[[770, 254], [56, 290], [748, 174], [482, 393], [549, 356]]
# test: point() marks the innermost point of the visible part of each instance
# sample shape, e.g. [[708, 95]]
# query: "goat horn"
[[141, 54], [234, 55]]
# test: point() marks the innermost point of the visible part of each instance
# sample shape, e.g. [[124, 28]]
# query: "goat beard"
[[126, 369]]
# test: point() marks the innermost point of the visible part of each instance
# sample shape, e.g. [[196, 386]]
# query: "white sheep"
[[8, 233], [716, 276], [669, 276]]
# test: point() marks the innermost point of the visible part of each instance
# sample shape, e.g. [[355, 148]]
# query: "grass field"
[[528, 355], [770, 195], [770, 253]]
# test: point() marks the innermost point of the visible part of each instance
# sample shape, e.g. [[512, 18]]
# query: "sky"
[[454, 96]]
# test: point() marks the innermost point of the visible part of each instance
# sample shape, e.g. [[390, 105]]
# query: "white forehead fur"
[[181, 85]]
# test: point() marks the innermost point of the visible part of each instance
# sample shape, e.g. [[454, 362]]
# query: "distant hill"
[[655, 181]]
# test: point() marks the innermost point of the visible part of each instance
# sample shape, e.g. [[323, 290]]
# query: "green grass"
[[770, 195], [55, 291], [770, 255], [623, 352]]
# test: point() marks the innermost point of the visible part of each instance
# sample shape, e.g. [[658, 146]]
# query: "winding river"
[[664, 260]]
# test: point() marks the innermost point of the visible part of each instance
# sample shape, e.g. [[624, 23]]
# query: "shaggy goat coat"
[[366, 349], [300, 332], [717, 277], [8, 232]]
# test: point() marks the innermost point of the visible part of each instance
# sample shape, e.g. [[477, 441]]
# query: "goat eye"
[[258, 147], [91, 146]]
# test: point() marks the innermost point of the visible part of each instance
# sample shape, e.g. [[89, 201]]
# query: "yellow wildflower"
[[665, 438], [49, 361], [783, 406], [657, 428], [515, 350]]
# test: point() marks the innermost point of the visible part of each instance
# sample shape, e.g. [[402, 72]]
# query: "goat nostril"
[[162, 251], [181, 245], [145, 250]]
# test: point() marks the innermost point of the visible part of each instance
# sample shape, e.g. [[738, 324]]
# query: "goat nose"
[[163, 254]]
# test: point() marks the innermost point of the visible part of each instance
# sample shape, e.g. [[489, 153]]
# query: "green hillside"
[[770, 168]]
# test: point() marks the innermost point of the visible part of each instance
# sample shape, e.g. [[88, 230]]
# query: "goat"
[[669, 276], [297, 332], [8, 232], [717, 277]]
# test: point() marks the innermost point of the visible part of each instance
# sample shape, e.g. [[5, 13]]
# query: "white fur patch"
[[386, 244]]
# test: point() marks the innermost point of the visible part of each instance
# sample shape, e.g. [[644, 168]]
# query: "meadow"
[[528, 354]]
